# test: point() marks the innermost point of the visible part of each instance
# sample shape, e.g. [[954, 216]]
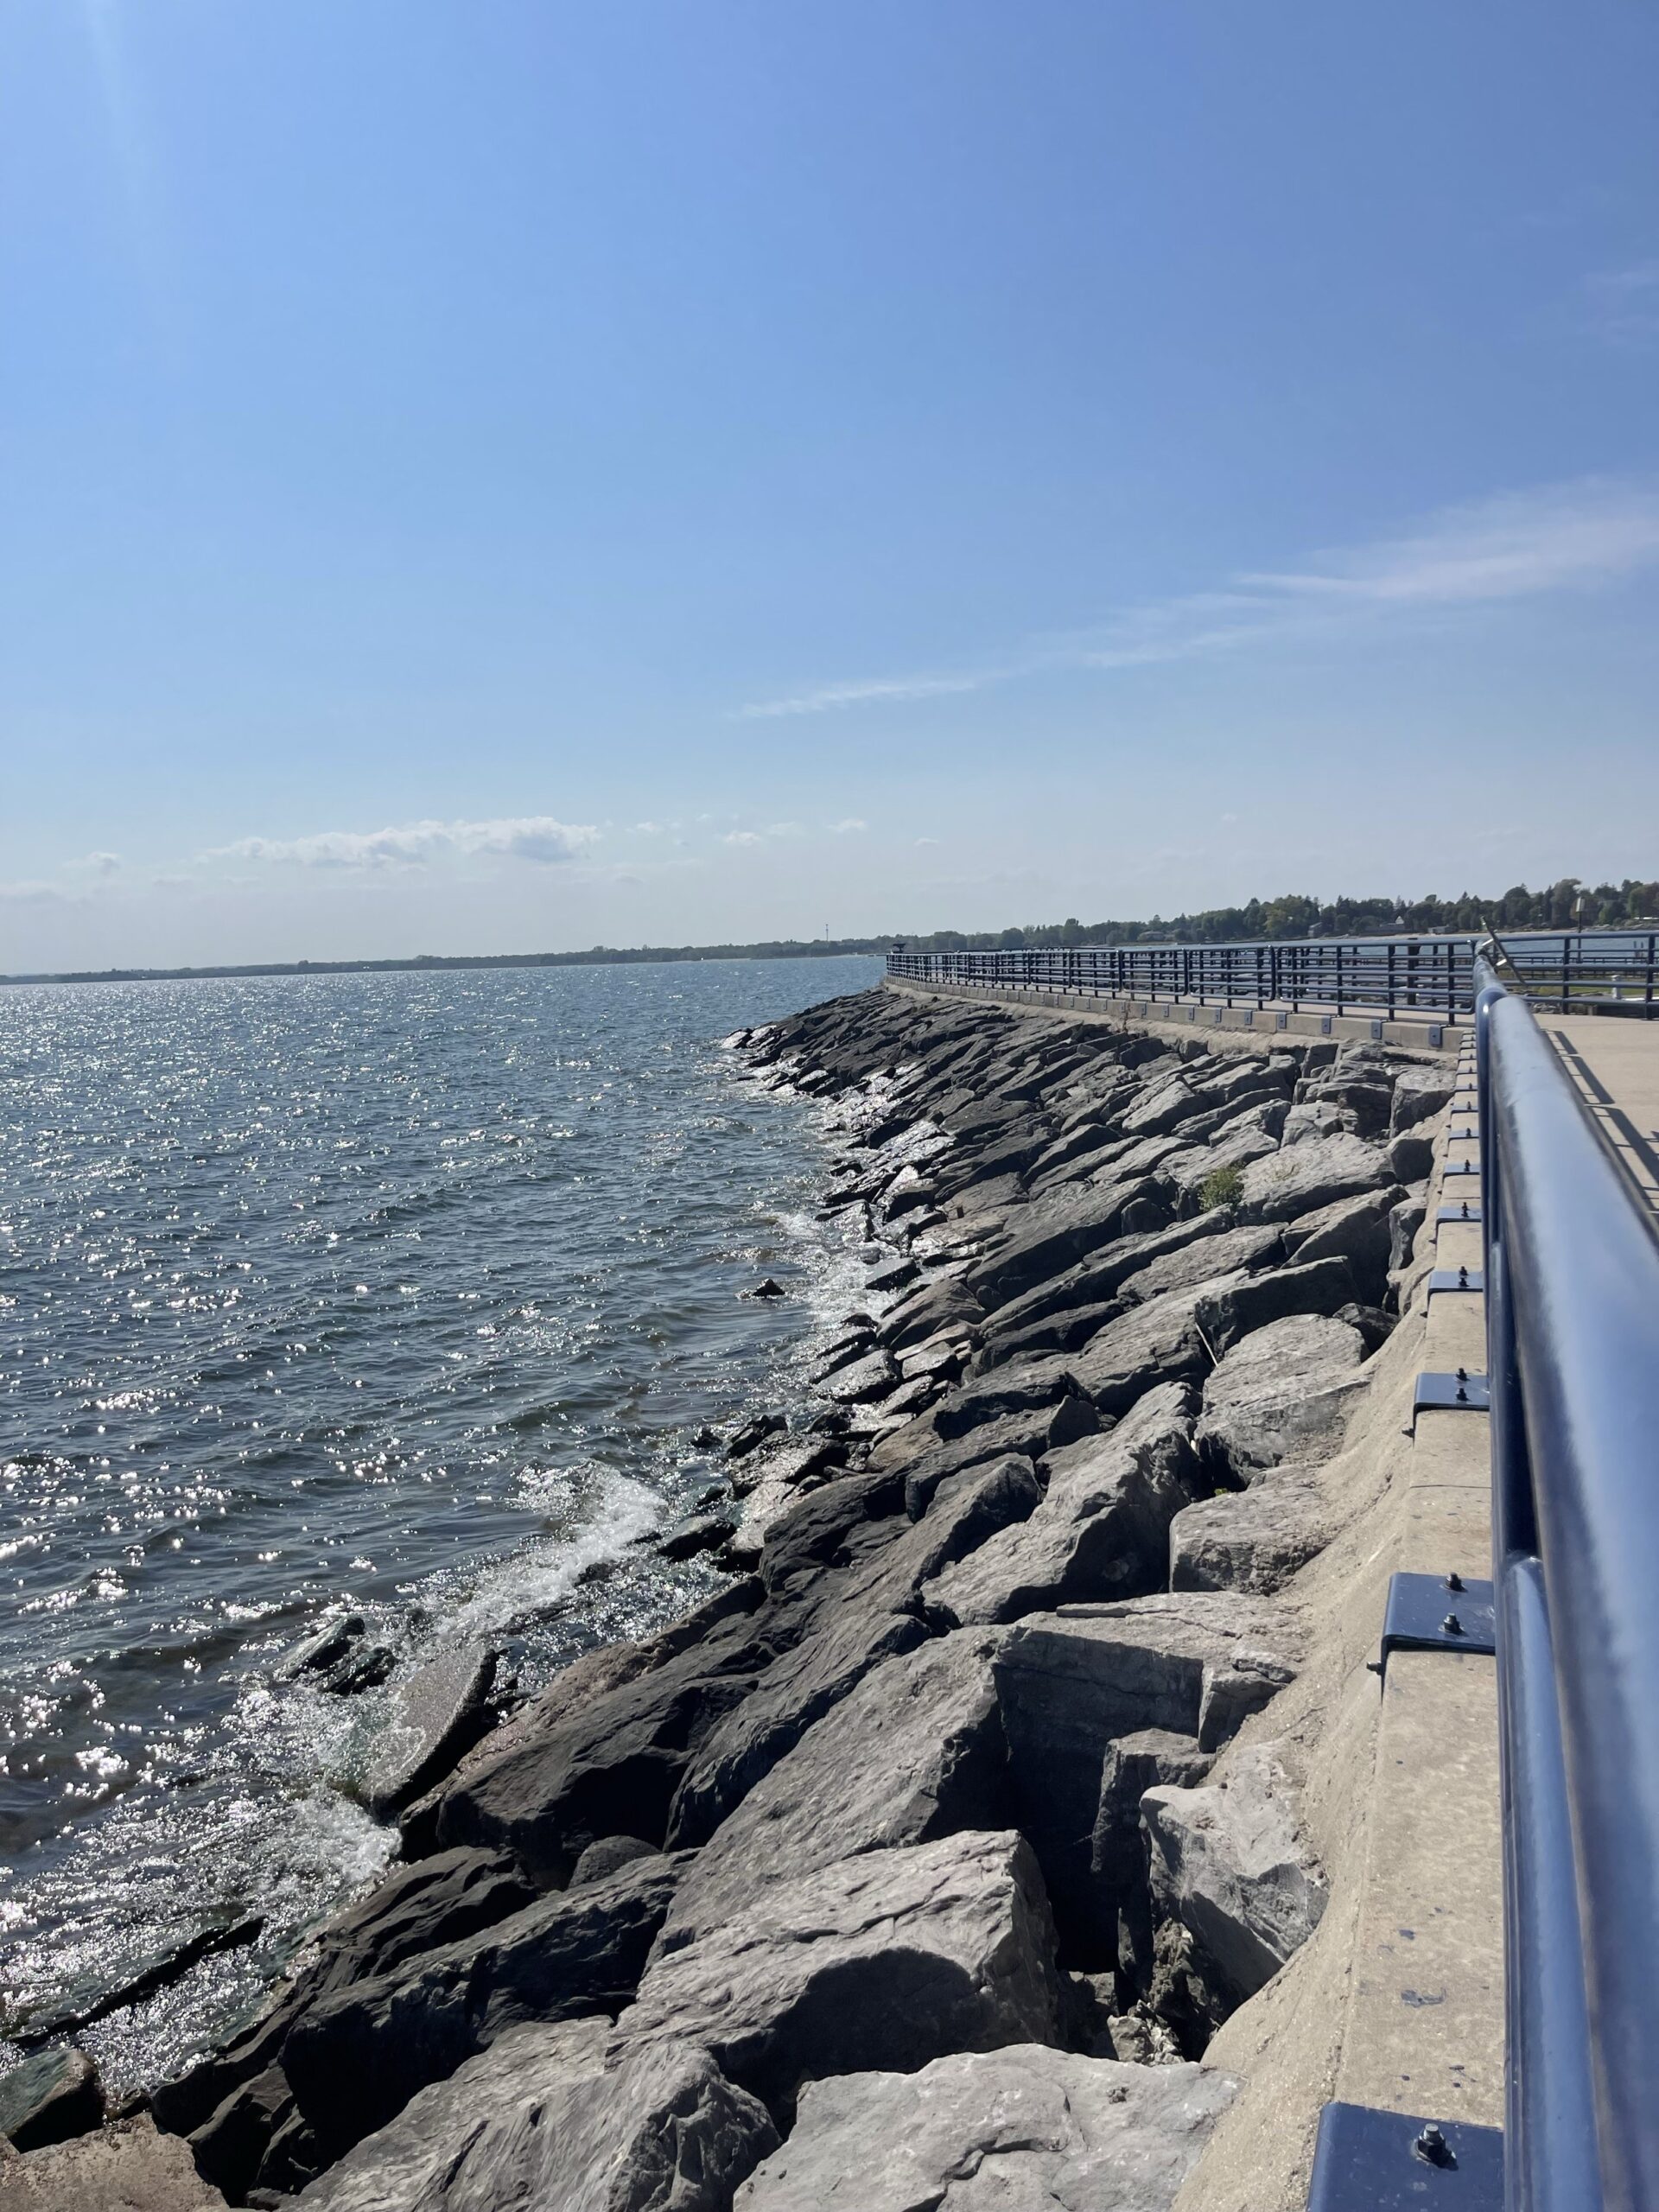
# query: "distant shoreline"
[[599, 956]]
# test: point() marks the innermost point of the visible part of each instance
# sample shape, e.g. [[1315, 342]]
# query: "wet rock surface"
[[906, 1868]]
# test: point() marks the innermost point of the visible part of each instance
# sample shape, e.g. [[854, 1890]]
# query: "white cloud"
[[927, 841], [742, 838], [536, 837], [101, 863], [849, 828], [1575, 537]]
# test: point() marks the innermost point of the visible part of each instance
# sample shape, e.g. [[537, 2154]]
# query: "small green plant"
[[1222, 1186]]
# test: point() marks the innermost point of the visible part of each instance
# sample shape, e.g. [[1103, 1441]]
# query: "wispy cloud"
[[535, 837], [1575, 537], [742, 838], [850, 827]]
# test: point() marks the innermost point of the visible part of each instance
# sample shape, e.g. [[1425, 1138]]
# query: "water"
[[404, 1291]]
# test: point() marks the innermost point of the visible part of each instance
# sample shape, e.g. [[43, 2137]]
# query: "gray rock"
[[865, 1379], [1071, 1680], [816, 1529], [607, 1857], [1258, 1246], [1066, 1229], [125, 2167], [436, 1714], [1252, 1539], [356, 2057], [1151, 1759], [1023, 2129], [1063, 1332], [1102, 1528], [1303, 1177], [1231, 1147], [323, 1647], [914, 1753], [870, 1619], [543, 2118], [1033, 1385], [1163, 1107], [1410, 1158], [755, 1432], [704, 1532], [893, 1275], [1355, 1229], [49, 2098], [1419, 1093], [1404, 1221], [1280, 1394], [1228, 1863], [925, 1466], [1159, 1342], [1318, 1287], [1100, 1277], [610, 1766], [886, 1960]]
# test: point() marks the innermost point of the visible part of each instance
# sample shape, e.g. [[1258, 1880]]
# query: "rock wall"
[[930, 1856]]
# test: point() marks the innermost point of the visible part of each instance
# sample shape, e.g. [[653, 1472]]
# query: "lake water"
[[408, 1292]]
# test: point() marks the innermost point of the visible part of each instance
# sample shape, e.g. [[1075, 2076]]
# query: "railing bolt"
[[1454, 1580], [1432, 2146], [1463, 1278], [1452, 1625]]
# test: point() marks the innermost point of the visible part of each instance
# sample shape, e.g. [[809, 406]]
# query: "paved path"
[[1614, 1065]]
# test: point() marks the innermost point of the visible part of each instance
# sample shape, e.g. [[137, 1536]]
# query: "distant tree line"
[[1569, 904]]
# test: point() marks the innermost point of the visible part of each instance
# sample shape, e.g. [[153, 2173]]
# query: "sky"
[[504, 478]]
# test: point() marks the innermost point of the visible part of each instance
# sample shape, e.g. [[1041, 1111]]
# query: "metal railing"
[[1588, 971], [1571, 1286]]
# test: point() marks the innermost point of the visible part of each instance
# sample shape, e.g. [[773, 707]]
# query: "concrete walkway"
[[1614, 1066]]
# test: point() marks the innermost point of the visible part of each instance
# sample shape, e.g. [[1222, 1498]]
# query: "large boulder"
[[1419, 1094], [612, 1765], [1355, 1229], [1200, 1260], [884, 1960], [544, 2117], [1100, 1531], [1023, 2129], [1251, 1540], [1300, 1178], [927, 1464], [1066, 1229], [1240, 1309], [125, 2167], [1162, 1341], [49, 2098], [1280, 1394], [869, 1618], [1228, 1864], [355, 2058], [914, 1753], [1098, 1279], [1072, 1679]]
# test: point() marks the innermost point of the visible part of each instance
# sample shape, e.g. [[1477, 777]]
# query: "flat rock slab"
[[434, 1717], [1281, 1393], [1159, 1342], [883, 1960], [126, 2167], [1300, 1178], [1200, 1260], [1021, 2130], [915, 1752], [1102, 1528], [543, 2118]]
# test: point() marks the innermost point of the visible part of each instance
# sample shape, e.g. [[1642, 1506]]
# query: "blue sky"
[[485, 478]]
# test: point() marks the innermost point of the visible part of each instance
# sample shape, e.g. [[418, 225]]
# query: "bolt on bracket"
[[1461, 1393], [1462, 1211], [1371, 2161], [1454, 1279], [1436, 1612]]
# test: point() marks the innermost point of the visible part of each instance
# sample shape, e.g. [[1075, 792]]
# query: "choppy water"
[[407, 1290]]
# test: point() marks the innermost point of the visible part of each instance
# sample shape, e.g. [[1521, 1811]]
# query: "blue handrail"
[[1573, 1352]]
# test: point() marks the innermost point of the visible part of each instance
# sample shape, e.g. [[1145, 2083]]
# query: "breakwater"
[[969, 1818]]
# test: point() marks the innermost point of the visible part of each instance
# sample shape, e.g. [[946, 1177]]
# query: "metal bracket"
[[1461, 1212], [1443, 1279], [1325, 1025], [1436, 1035], [1281, 1022], [1462, 1393], [1376, 1033], [1371, 2161], [1461, 1168], [1436, 1612]]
